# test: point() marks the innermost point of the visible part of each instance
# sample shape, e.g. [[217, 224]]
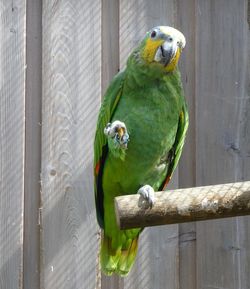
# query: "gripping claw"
[[148, 194], [118, 132]]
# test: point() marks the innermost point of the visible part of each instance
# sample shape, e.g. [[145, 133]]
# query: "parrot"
[[140, 133]]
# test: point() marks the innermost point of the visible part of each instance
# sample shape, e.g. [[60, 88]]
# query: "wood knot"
[[53, 172]]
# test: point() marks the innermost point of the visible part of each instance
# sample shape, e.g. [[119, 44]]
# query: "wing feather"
[[176, 150], [109, 104]]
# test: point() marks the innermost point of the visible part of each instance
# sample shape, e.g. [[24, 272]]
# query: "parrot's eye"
[[170, 39], [153, 34]]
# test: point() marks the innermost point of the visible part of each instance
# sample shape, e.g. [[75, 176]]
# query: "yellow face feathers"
[[163, 45], [174, 61], [150, 49]]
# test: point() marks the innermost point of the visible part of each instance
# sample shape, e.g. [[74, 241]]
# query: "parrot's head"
[[162, 46]]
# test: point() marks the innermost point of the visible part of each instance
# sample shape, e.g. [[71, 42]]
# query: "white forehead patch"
[[173, 33]]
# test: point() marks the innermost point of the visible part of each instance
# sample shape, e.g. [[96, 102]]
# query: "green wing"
[[110, 101], [176, 150]]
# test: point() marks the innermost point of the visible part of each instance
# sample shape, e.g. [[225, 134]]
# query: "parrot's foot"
[[118, 132], [148, 194]]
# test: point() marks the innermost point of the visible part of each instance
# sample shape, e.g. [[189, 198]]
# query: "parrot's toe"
[[118, 132], [148, 194]]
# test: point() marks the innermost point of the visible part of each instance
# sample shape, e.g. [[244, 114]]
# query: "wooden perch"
[[184, 205]]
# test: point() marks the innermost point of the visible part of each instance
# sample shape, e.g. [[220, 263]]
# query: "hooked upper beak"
[[165, 53]]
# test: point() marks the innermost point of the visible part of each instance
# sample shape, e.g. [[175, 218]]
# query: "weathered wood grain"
[[71, 98], [151, 269], [184, 205], [110, 67], [12, 131], [222, 136], [110, 41], [186, 22], [32, 144]]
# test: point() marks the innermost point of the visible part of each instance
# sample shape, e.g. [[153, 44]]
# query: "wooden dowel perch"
[[184, 205]]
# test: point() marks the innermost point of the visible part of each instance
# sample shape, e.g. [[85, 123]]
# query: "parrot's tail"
[[119, 260]]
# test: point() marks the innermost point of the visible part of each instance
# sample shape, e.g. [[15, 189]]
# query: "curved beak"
[[165, 53]]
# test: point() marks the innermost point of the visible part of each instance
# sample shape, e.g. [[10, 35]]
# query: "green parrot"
[[140, 134]]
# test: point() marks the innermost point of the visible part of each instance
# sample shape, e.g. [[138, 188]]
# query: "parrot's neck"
[[140, 74]]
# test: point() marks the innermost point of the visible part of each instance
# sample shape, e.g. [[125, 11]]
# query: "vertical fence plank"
[[222, 124], [157, 260], [110, 41], [71, 98], [187, 232], [110, 67], [12, 99], [186, 24], [32, 143]]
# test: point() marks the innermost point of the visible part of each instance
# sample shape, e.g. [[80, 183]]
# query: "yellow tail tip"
[[117, 260]]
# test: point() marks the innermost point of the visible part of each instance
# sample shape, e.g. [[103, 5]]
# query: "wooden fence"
[[57, 57]]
